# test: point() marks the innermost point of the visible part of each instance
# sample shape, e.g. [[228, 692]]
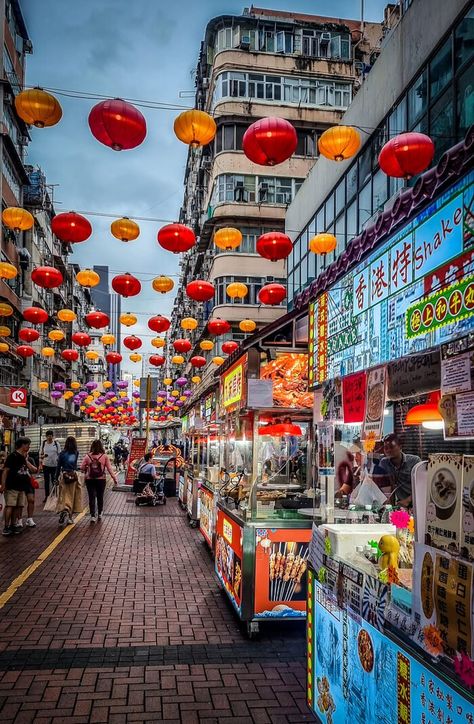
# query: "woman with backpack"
[[94, 467], [70, 488]]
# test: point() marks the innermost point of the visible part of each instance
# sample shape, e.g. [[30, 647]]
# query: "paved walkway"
[[123, 621]]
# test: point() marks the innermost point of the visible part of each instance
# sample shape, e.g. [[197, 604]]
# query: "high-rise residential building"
[[110, 303], [303, 68]]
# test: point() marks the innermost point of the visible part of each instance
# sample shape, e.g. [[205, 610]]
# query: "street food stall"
[[194, 467], [211, 480]]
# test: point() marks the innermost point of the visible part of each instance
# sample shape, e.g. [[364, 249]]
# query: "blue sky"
[[144, 50]]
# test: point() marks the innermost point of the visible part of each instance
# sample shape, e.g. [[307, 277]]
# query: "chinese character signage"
[[416, 291], [232, 386], [353, 397]]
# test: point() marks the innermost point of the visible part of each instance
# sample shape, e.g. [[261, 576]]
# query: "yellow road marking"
[[19, 580]]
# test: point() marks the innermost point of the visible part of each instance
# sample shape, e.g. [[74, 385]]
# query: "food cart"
[[194, 466], [211, 480]]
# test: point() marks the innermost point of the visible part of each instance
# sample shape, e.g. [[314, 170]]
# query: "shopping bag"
[[367, 493], [52, 500]]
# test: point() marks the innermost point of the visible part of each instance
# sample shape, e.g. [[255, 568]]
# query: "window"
[[284, 42], [417, 98], [379, 191], [463, 35], [340, 195], [227, 38], [352, 182], [10, 71], [254, 285], [340, 234], [442, 123], [250, 189], [441, 70], [351, 221], [465, 101], [397, 120], [365, 205], [329, 206], [365, 164], [306, 144], [11, 175]]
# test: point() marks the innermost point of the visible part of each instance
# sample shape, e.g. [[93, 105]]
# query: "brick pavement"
[[125, 622]]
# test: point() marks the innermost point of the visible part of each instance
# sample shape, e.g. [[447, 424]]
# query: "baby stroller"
[[152, 494]]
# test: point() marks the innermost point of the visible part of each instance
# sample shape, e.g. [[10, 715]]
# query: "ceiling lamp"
[[159, 323], [198, 361], [182, 345], [406, 155], [247, 325], [158, 342], [38, 108], [82, 339], [176, 238], [177, 359], [66, 315], [92, 355], [97, 319], [323, 243], [24, 350], [113, 358], [227, 238], [56, 335], [117, 124], [43, 385], [229, 347], [272, 294], [5, 331], [126, 285], [128, 320], [71, 228], [125, 229], [218, 326], [286, 428], [70, 355], [47, 277], [274, 245], [427, 414], [132, 342], [206, 344], [156, 360], [195, 379], [107, 339], [218, 360], [6, 310], [162, 284], [200, 290], [87, 278], [47, 352], [135, 357], [237, 290], [17, 219], [7, 270], [270, 141], [27, 334], [189, 323], [195, 128], [35, 315], [339, 142]]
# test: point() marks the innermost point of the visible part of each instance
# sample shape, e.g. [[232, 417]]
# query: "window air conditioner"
[[205, 83], [325, 38]]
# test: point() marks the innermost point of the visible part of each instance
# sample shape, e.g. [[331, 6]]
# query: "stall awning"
[[14, 411]]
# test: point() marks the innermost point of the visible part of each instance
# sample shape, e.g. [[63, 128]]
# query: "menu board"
[[228, 561], [353, 397], [376, 392], [443, 505]]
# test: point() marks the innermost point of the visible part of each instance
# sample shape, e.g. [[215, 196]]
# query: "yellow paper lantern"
[[107, 339], [136, 383], [92, 354], [7, 270], [158, 342], [135, 357], [195, 379], [323, 243], [89, 399], [218, 360], [75, 385], [339, 143], [68, 394], [66, 315], [96, 393], [167, 381], [247, 325], [128, 319], [38, 108], [5, 331], [43, 385], [122, 393], [195, 128], [228, 238], [174, 393], [189, 323], [6, 310], [87, 278], [4, 347], [56, 335], [17, 219], [162, 284], [177, 359], [107, 385], [206, 344], [82, 408], [125, 229], [237, 290], [47, 352]]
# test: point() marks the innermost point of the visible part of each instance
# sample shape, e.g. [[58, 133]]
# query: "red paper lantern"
[[28, 334], [272, 294], [70, 355], [113, 358], [198, 361], [182, 345], [200, 290], [274, 245], [82, 339], [406, 155], [47, 277], [156, 360], [269, 141], [71, 228], [117, 124], [35, 315], [97, 320], [24, 350], [126, 285], [218, 326], [132, 342], [159, 323], [176, 238], [229, 347]]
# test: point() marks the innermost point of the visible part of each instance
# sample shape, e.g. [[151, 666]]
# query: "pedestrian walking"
[[94, 467], [70, 488], [49, 455], [16, 485]]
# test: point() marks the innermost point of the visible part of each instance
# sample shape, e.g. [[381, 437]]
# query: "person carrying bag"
[[70, 488], [94, 467]]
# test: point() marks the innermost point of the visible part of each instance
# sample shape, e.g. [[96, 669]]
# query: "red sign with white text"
[[18, 397], [137, 451]]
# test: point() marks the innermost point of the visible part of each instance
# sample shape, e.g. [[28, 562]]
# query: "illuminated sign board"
[[381, 310], [232, 386]]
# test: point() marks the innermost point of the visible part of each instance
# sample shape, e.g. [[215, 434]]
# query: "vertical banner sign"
[[137, 451], [353, 397], [375, 402], [322, 336]]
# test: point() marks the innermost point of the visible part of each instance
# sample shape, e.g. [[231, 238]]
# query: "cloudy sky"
[[145, 50]]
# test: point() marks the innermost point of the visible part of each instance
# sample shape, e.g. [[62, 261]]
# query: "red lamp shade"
[[218, 326], [198, 361], [70, 355], [28, 334], [132, 342], [182, 345], [47, 277], [35, 315], [200, 290], [71, 228], [24, 350], [82, 339], [269, 141], [427, 414], [126, 285], [156, 360], [286, 428], [406, 155], [159, 323], [229, 347], [274, 245], [117, 124], [176, 238], [113, 358], [272, 294], [97, 320]]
